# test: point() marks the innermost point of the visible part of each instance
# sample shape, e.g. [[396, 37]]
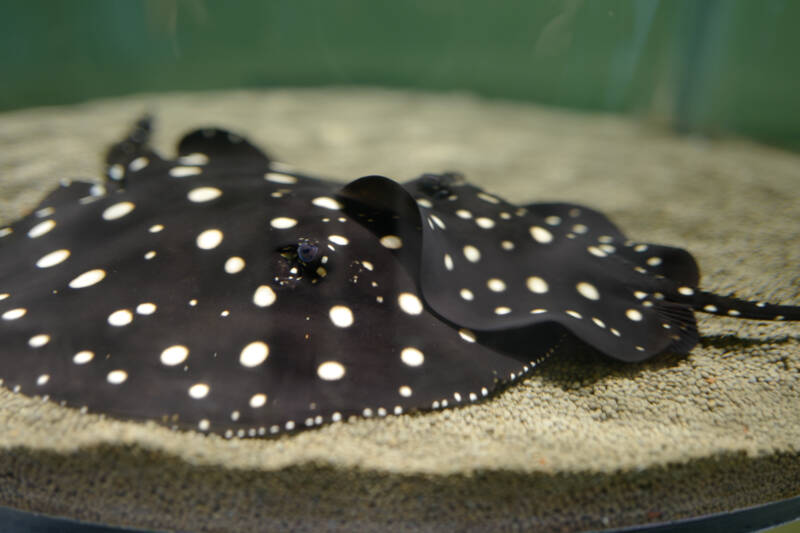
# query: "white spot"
[[502, 310], [538, 311], [733, 312], [541, 235], [686, 291], [37, 341], [118, 210], [654, 261], [146, 308], [155, 228], [496, 285], [209, 239], [276, 177], [507, 245], [53, 258], [149, 255], [599, 322], [254, 354], [412, 356], [203, 194], [116, 172], [640, 295], [204, 425], [119, 318], [393, 242], [174, 355], [448, 262], [634, 314], [472, 254], [13, 314], [199, 391], [580, 228], [258, 400], [438, 221], [367, 265], [615, 332], [183, 172], [194, 159], [488, 198], [424, 202], [467, 294], [485, 222], [573, 314], [327, 202], [138, 164], [466, 334], [331, 371], [607, 248], [45, 212], [367, 412], [463, 213], [264, 296], [552, 220], [116, 377], [594, 250], [82, 357], [587, 290], [338, 239], [537, 285], [405, 391], [5, 231], [710, 308], [87, 279], [41, 228], [283, 223], [43, 379], [341, 316], [234, 265], [409, 303], [5, 295], [640, 248]]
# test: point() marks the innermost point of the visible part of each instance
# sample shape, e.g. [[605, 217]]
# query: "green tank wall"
[[711, 66]]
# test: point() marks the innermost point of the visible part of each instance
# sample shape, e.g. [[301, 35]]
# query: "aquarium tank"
[[415, 266]]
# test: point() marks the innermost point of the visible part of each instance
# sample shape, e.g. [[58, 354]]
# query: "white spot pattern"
[[118, 210], [331, 371], [87, 279], [254, 354]]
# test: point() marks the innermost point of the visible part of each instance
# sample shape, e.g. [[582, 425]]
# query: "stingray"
[[228, 293]]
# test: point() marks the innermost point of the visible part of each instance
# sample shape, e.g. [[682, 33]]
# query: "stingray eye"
[[307, 252], [437, 185]]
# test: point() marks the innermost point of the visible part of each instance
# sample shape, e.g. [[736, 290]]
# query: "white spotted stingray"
[[227, 293]]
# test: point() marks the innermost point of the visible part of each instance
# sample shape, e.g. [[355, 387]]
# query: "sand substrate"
[[583, 443]]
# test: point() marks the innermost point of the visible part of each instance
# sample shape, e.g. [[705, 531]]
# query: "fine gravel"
[[584, 442]]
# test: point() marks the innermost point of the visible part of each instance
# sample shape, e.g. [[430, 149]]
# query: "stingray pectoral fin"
[[67, 193], [578, 218], [385, 208], [674, 263], [215, 147]]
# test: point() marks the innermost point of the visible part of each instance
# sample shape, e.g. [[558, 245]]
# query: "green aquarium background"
[[710, 67]]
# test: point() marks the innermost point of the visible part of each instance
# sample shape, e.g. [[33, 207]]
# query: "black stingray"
[[232, 294]]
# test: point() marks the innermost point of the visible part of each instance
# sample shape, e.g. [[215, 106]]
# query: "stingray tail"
[[122, 153], [716, 304]]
